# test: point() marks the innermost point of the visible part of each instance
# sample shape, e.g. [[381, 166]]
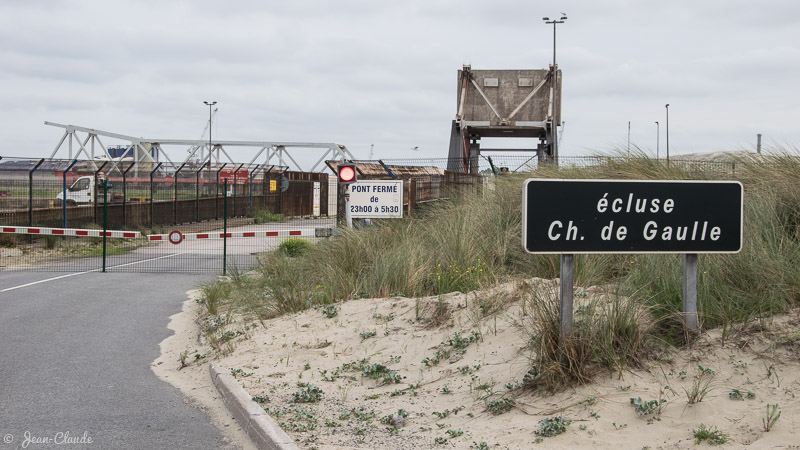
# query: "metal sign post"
[[348, 216], [566, 284], [690, 291], [570, 217]]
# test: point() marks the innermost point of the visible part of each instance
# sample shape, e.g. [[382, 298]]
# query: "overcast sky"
[[372, 72]]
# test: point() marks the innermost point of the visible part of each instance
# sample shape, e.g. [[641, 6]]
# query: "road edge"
[[262, 429]]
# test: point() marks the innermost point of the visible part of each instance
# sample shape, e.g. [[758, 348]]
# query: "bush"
[[294, 247]]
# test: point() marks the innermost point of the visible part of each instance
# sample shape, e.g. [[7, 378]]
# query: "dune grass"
[[473, 241]]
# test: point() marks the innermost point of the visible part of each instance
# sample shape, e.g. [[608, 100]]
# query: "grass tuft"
[[711, 435]]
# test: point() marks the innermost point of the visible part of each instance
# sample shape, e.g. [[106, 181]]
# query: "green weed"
[[500, 406], [701, 385], [710, 435], [647, 407], [330, 311], [552, 426], [261, 398], [307, 393], [771, 418]]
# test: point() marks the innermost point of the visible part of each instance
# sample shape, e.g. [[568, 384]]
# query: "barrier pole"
[[225, 228]]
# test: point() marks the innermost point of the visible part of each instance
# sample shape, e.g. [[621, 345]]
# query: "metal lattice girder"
[[208, 150]]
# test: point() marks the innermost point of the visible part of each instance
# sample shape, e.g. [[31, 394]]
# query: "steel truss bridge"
[[82, 141]]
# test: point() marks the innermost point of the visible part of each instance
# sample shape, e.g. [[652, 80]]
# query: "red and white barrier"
[[70, 232], [238, 234], [175, 237]]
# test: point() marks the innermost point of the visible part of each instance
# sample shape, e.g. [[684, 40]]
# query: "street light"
[[555, 81], [667, 106], [658, 130], [210, 104], [629, 138]]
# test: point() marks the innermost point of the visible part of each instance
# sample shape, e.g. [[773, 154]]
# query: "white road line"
[[143, 261], [83, 273], [45, 281]]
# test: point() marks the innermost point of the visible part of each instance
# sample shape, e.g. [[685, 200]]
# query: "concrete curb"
[[259, 426]]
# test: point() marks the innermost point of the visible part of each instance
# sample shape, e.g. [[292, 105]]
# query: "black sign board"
[[624, 216]]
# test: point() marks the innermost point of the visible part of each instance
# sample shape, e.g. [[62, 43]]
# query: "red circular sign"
[[176, 237], [347, 174]]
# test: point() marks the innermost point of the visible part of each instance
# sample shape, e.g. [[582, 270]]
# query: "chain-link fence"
[[71, 215], [74, 215], [498, 163]]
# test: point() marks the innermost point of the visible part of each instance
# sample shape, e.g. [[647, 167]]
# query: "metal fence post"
[[225, 229], [250, 179], [125, 195], [175, 197], [197, 194], [265, 187], [152, 193], [30, 191], [216, 192], [64, 193], [105, 217], [96, 193], [235, 173]]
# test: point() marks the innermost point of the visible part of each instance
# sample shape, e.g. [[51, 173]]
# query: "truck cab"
[[82, 192]]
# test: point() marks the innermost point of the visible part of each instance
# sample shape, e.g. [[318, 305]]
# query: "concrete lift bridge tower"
[[505, 104]]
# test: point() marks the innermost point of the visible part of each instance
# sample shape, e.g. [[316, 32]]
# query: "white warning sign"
[[376, 199]]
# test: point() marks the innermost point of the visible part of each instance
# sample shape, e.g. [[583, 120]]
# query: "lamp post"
[[555, 82], [210, 104], [658, 131], [667, 106], [629, 138]]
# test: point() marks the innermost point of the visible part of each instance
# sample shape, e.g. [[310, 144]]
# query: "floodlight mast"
[[210, 104], [555, 85]]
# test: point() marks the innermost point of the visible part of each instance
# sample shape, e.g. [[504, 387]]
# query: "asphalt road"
[[75, 353]]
